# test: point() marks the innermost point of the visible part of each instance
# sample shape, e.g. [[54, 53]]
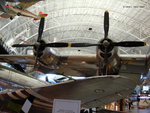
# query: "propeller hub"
[[38, 48], [106, 43]]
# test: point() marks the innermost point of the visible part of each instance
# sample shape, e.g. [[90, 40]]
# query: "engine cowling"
[[105, 50], [39, 48]]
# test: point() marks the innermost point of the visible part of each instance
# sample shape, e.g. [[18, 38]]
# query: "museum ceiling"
[[70, 20]]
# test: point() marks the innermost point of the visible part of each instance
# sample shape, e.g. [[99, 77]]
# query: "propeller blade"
[[63, 44], [83, 45], [106, 23], [41, 28], [37, 57], [129, 44], [22, 45]]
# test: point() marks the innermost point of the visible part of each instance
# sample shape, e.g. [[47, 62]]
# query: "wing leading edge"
[[136, 64], [93, 91], [70, 65], [84, 65], [18, 59], [78, 66]]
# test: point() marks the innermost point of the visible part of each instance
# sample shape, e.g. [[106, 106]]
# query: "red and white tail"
[[41, 15]]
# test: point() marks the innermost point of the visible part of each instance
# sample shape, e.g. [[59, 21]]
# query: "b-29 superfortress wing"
[[84, 65], [93, 92]]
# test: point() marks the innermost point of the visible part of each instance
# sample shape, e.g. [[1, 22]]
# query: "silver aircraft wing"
[[69, 65], [20, 78], [87, 65], [78, 66], [93, 91], [83, 65], [136, 64], [18, 59]]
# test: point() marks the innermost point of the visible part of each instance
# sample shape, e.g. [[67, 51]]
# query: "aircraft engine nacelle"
[[49, 59], [105, 50], [38, 49]]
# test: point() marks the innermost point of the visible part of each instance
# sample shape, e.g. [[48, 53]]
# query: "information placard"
[[66, 106]]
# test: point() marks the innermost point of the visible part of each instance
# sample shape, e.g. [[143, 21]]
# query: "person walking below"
[[138, 100], [129, 101]]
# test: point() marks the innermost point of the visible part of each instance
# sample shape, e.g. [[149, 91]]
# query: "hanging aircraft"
[[106, 62], [20, 10], [3, 3], [93, 91]]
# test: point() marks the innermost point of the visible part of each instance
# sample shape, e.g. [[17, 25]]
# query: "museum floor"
[[135, 110], [144, 107]]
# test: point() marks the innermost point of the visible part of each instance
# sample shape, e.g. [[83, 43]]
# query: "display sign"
[[66, 106]]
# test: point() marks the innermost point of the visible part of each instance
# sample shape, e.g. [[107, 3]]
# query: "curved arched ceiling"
[[70, 20]]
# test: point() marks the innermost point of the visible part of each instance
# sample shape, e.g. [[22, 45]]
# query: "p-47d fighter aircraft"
[[93, 91], [20, 10]]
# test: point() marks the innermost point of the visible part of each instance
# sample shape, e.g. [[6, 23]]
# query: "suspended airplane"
[[3, 3], [106, 62], [93, 91], [20, 10]]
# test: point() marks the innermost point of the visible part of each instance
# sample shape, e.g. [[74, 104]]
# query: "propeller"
[[40, 32], [106, 24], [38, 46], [106, 29], [129, 43], [104, 42], [23, 45], [39, 43], [63, 44], [41, 28]]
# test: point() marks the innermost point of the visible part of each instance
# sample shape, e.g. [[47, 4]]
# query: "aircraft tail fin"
[[41, 15]]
